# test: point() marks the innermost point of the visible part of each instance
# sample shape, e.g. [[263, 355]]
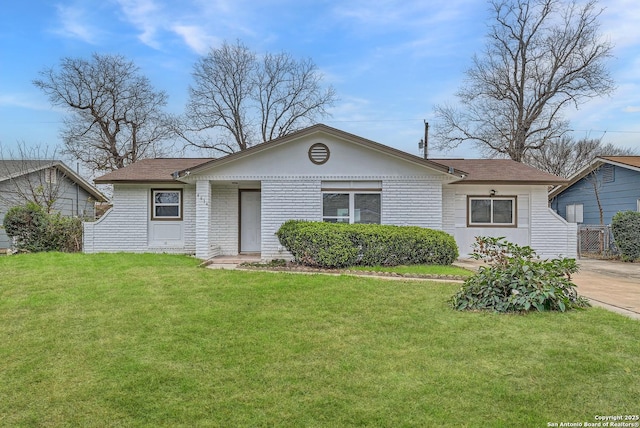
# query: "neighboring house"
[[235, 204], [615, 180], [52, 180]]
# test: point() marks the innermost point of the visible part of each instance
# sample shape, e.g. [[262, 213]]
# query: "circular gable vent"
[[318, 153]]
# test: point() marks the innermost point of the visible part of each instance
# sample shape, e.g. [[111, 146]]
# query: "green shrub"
[[64, 233], [625, 226], [33, 230], [516, 280], [335, 245], [27, 225]]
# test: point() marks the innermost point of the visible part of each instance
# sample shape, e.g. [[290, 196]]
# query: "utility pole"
[[426, 139]]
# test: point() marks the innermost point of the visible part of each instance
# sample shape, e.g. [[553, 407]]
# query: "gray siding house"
[[614, 180], [235, 204], [45, 180]]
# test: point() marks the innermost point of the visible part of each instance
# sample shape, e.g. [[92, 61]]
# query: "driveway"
[[613, 285]]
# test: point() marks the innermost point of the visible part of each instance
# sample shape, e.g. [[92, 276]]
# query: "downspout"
[[77, 191]]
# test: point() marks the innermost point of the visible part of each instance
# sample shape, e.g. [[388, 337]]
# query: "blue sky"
[[389, 61]]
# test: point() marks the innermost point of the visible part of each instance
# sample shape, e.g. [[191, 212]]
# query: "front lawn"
[[152, 340]]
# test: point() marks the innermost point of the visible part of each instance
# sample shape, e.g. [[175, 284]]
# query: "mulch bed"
[[293, 267]]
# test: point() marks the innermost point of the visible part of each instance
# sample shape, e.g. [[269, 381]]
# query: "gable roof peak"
[[321, 128]]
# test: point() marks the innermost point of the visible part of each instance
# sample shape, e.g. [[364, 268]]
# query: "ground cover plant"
[[517, 280], [152, 340]]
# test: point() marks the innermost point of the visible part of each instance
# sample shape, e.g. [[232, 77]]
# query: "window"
[[492, 211], [166, 205], [50, 176], [574, 213], [351, 207], [608, 173]]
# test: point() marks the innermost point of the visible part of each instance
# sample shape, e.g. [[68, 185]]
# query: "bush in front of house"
[[625, 226], [517, 280], [34, 230], [337, 245]]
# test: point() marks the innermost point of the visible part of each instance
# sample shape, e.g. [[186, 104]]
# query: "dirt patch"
[[292, 267]]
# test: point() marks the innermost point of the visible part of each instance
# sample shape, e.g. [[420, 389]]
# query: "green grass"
[[437, 270], [151, 340]]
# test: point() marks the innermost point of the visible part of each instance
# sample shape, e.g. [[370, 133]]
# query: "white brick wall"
[[125, 227], [404, 202], [538, 227], [551, 235], [203, 219], [449, 210], [224, 219], [284, 200], [211, 216], [413, 202], [189, 219]]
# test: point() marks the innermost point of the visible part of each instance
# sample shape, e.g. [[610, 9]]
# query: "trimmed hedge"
[[625, 226], [337, 245]]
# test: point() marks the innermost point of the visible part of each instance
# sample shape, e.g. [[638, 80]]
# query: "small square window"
[[166, 205], [574, 213], [492, 212]]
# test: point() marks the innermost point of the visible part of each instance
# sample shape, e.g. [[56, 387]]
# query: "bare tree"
[[116, 116], [30, 175], [566, 156], [541, 57], [246, 100]]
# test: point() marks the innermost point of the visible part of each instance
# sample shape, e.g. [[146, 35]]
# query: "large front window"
[[492, 211], [166, 205], [351, 207]]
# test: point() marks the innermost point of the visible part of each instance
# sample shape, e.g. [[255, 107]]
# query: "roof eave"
[[576, 177], [126, 181], [511, 182]]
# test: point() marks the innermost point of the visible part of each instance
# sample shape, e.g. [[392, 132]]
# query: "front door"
[[250, 240]]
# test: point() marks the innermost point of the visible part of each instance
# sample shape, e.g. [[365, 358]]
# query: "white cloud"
[[196, 38], [145, 15], [23, 101], [74, 24], [620, 22], [187, 19], [631, 109]]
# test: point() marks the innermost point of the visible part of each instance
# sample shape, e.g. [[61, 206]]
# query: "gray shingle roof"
[[156, 170], [12, 168]]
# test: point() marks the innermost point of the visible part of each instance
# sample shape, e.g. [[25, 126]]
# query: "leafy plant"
[[34, 230], [336, 245], [625, 226], [517, 280]]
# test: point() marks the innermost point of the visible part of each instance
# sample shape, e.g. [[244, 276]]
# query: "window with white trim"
[[50, 176], [166, 204], [493, 211], [575, 213], [351, 207]]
